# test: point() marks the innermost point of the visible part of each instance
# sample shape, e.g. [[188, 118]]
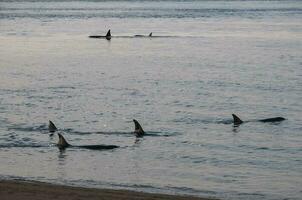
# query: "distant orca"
[[238, 121], [51, 127], [107, 36], [150, 35], [138, 131], [62, 144]]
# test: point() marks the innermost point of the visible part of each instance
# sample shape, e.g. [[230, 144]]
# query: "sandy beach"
[[37, 190]]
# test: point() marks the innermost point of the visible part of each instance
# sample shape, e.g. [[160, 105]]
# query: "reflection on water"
[[61, 165], [61, 156], [137, 141], [236, 129]]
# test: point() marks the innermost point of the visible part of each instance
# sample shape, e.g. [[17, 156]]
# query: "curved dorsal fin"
[[138, 131], [51, 127], [150, 35], [237, 120], [62, 143]]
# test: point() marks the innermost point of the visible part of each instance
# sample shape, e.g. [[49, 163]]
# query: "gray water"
[[210, 59]]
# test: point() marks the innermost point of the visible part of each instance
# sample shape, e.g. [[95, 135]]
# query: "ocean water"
[[209, 59]]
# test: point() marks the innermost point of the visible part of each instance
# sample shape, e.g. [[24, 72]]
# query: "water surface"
[[212, 59]]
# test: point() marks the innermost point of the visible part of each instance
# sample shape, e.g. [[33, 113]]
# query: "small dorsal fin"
[[51, 127], [62, 143], [138, 131], [150, 35], [108, 33], [237, 120]]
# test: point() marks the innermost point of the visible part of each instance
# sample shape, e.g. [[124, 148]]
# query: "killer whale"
[[138, 130], [62, 144], [107, 36], [150, 35], [237, 121], [51, 127]]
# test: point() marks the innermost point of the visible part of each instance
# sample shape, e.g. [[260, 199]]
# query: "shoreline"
[[32, 190]]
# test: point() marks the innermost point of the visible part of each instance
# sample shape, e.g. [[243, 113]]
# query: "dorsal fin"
[[150, 35], [62, 143], [51, 127], [237, 120], [138, 131], [108, 35]]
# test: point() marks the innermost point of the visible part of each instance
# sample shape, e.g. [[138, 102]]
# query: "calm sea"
[[209, 59]]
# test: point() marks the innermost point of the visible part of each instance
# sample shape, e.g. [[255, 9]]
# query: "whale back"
[[274, 119], [62, 143], [150, 35], [138, 131], [51, 127], [237, 120]]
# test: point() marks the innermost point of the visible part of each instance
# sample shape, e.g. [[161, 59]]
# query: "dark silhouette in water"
[[150, 35], [107, 36], [51, 127], [62, 144], [238, 121], [138, 131]]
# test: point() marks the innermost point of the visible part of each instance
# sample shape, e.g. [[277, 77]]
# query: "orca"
[[150, 35], [138, 131], [62, 144], [51, 127], [107, 36], [237, 121]]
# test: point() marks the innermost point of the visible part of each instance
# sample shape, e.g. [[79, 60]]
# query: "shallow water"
[[212, 59]]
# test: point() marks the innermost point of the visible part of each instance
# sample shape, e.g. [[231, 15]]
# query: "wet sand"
[[18, 190]]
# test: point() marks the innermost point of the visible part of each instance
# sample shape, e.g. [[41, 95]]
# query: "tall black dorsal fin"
[[51, 127], [62, 143], [108, 33], [237, 120], [150, 35], [138, 131]]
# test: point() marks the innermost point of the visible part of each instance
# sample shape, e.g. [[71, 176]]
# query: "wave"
[[142, 9], [29, 129], [25, 145], [128, 134], [189, 120], [44, 129]]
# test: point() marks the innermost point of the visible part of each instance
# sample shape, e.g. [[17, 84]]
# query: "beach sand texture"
[[18, 190]]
